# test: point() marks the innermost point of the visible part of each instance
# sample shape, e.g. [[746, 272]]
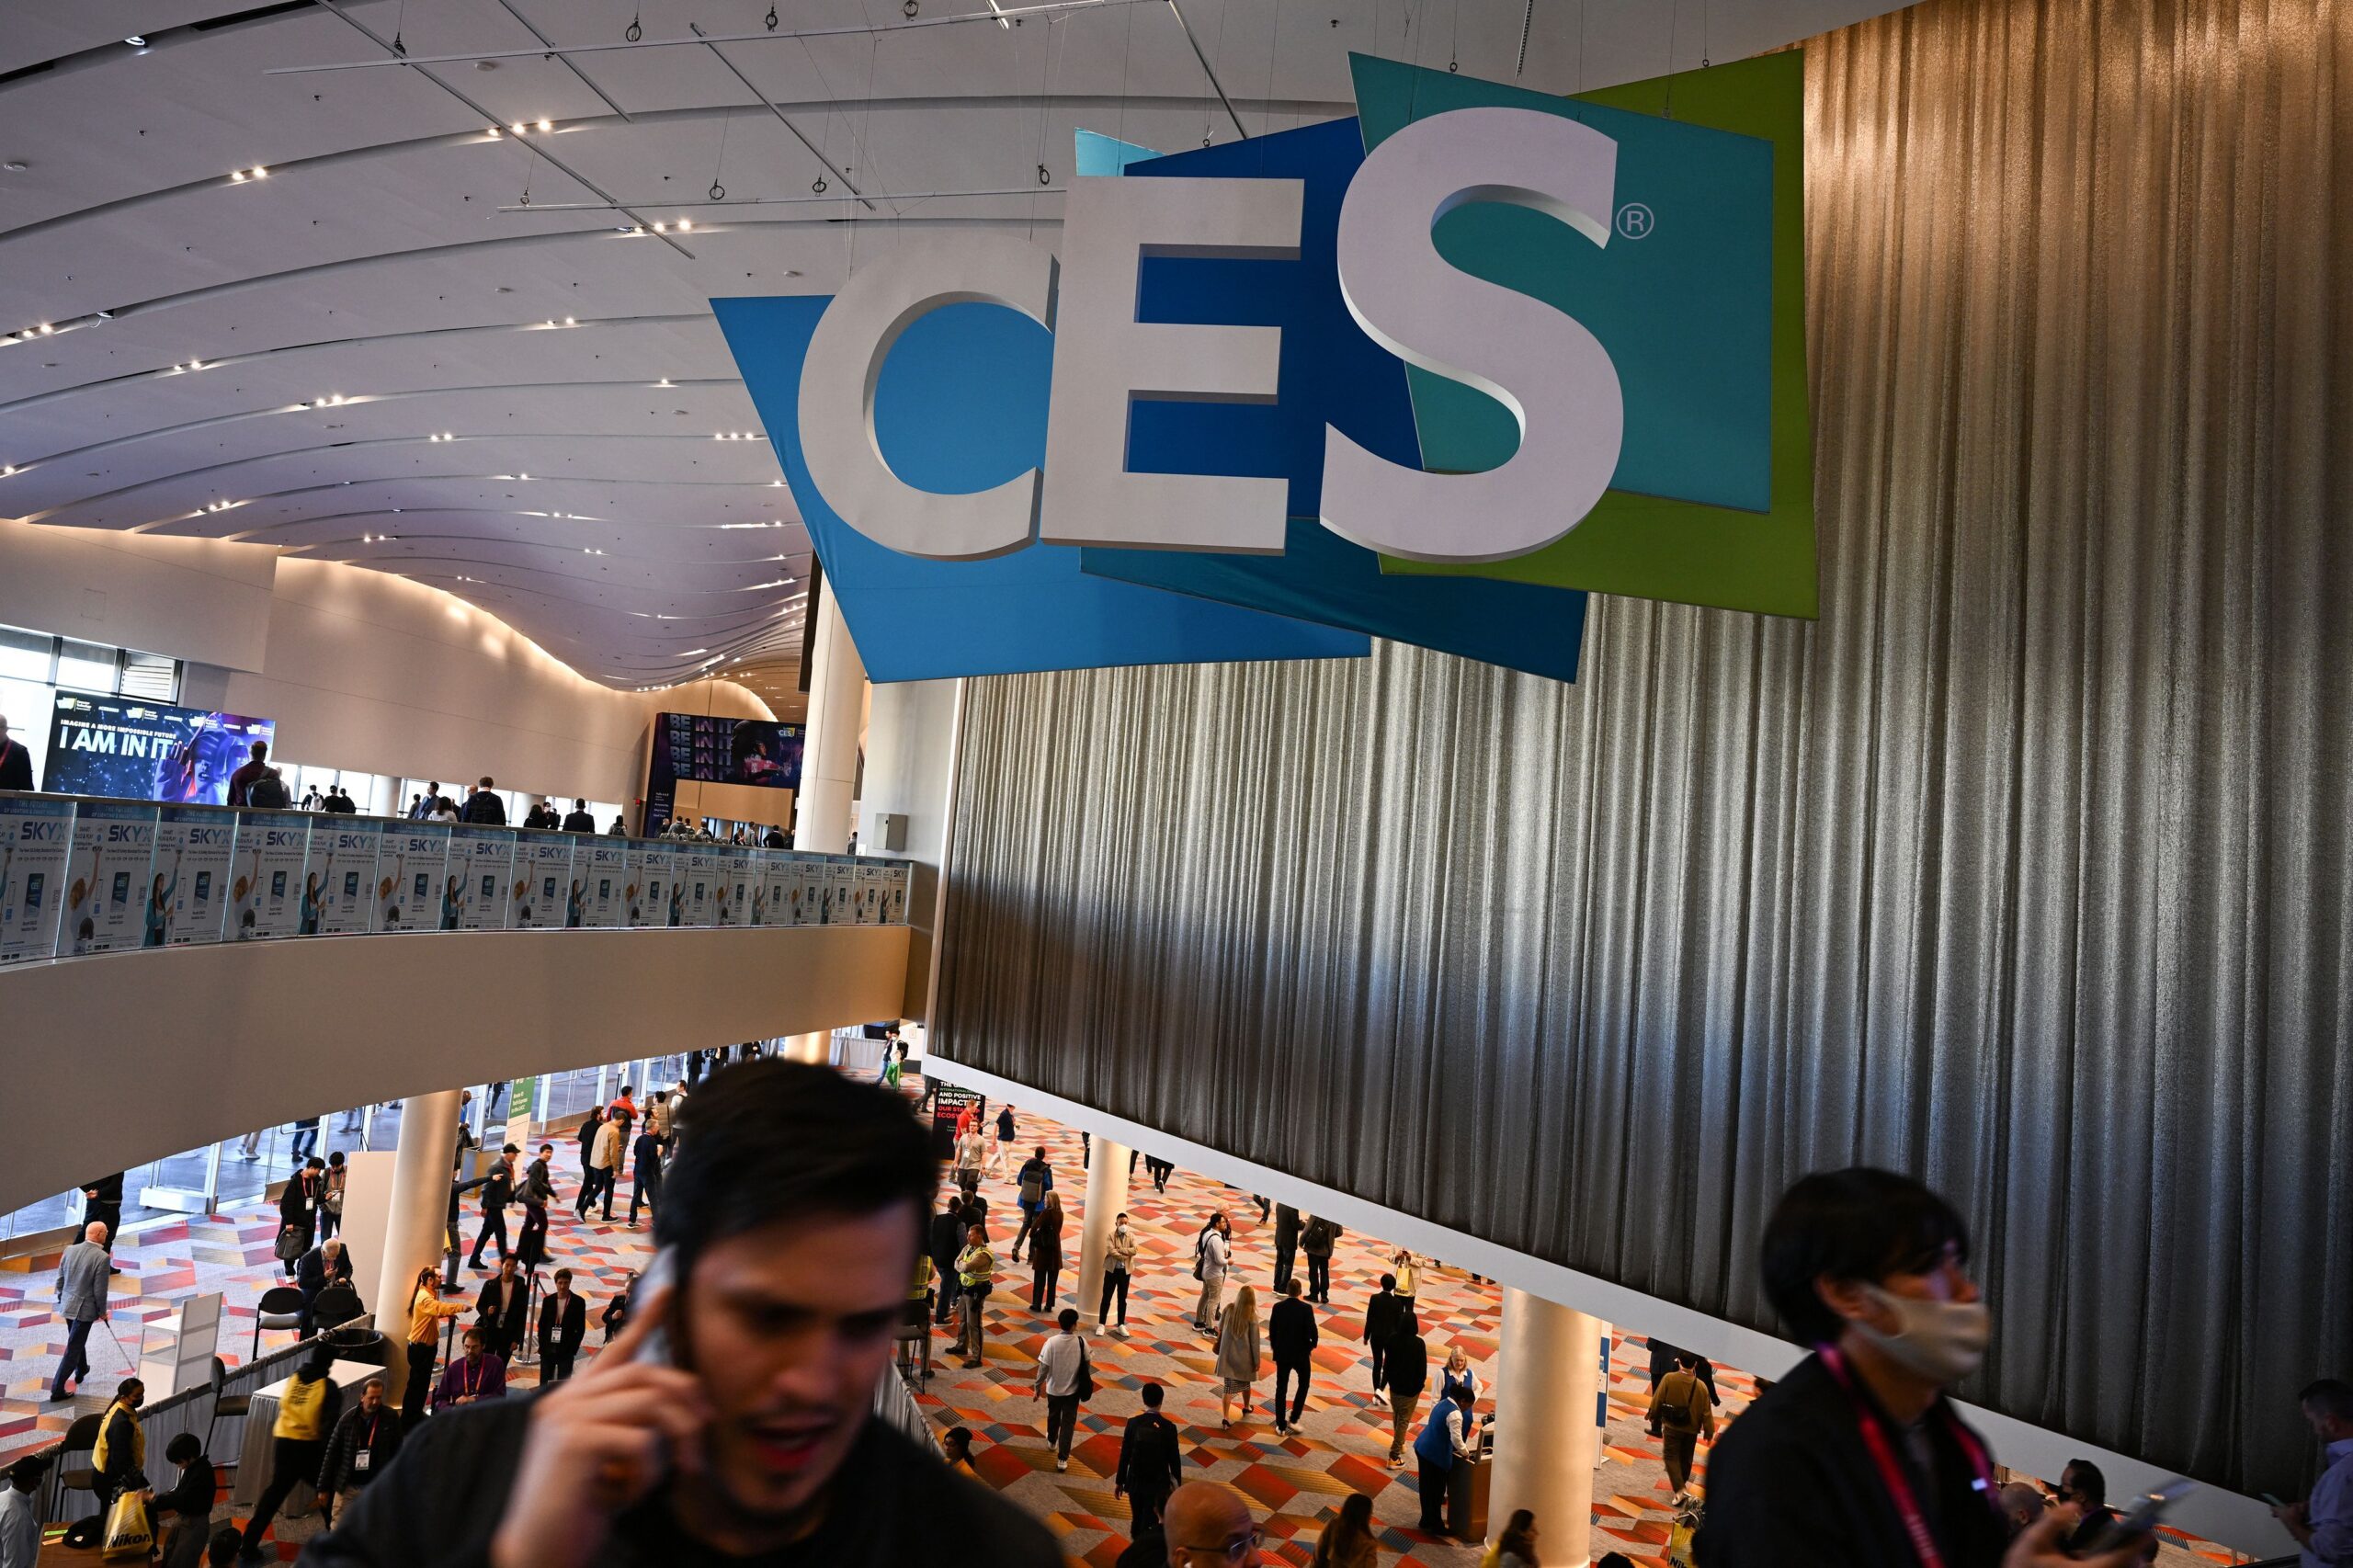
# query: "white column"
[[383, 796], [814, 1049], [1548, 1379], [836, 714], [417, 1224], [1107, 1195]]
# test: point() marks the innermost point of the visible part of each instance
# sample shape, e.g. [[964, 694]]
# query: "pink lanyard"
[[1890, 1473]]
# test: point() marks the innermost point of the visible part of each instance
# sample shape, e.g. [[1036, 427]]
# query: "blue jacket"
[[1433, 1448]]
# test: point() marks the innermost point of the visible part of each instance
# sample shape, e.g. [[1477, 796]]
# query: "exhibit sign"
[[36, 836], [106, 890], [339, 876], [192, 848], [759, 752], [653, 897], [605, 891], [1450, 336], [409, 885], [486, 889], [699, 889], [736, 880], [544, 892], [777, 900], [265, 875]]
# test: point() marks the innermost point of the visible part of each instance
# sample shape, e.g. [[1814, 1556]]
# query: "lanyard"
[[372, 1429], [476, 1384], [1890, 1473]]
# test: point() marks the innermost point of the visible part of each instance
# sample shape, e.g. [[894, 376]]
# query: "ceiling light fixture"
[[685, 225], [260, 173], [545, 126], [517, 128], [237, 176], [8, 471], [136, 41]]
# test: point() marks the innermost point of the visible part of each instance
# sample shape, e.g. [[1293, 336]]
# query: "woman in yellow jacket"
[[427, 1311]]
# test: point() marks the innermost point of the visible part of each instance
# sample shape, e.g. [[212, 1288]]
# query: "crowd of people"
[[793, 1205]]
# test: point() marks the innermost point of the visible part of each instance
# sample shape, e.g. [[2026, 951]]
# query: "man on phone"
[[732, 1417]]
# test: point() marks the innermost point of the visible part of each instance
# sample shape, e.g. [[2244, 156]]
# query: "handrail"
[[83, 875], [188, 1411]]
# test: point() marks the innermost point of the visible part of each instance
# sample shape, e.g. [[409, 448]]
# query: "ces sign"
[[1543, 366]]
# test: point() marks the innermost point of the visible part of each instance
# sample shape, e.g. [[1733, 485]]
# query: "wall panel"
[[2025, 869]]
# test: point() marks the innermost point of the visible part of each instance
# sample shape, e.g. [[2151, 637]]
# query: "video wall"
[[135, 749], [758, 753]]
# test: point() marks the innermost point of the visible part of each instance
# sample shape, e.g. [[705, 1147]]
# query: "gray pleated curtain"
[[2024, 869]]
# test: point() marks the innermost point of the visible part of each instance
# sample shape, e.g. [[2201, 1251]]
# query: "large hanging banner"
[[544, 892], [265, 875], [339, 877], [106, 890], [36, 835], [1426, 375], [410, 882]]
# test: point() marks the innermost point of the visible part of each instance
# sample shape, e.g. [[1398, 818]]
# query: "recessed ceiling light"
[[545, 126], [685, 223], [661, 228], [517, 128], [135, 41], [569, 322], [237, 176]]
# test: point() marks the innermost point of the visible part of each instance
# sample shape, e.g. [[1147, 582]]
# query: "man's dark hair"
[[26, 1473], [2330, 1396], [223, 1549], [1151, 1396], [2084, 1478], [1068, 1318], [182, 1449], [1861, 1224], [774, 1139], [1389, 1281]]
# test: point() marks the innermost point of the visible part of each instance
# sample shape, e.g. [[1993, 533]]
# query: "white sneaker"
[[1121, 1330], [1062, 1464]]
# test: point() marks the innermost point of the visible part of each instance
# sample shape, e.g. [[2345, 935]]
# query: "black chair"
[[334, 1306], [224, 1404], [280, 1308], [81, 1438]]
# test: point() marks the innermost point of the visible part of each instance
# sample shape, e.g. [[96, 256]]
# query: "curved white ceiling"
[[367, 354]]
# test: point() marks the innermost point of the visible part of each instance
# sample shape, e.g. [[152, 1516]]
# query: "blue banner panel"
[[1330, 372], [960, 406]]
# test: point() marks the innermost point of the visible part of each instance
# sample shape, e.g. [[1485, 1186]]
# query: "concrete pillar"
[[837, 715], [1547, 1383], [816, 1048], [383, 796], [416, 1226], [1107, 1195]]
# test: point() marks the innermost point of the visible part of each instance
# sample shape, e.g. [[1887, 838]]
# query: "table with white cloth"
[[253, 1459]]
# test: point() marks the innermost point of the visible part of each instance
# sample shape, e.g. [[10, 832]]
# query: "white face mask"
[[1942, 1341]]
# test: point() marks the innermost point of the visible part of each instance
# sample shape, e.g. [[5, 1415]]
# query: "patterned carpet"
[[1297, 1483]]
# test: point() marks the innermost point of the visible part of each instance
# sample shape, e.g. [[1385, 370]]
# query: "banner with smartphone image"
[[543, 881], [409, 867], [36, 835], [105, 878], [699, 881], [339, 879], [192, 847], [265, 875], [481, 859], [603, 870], [654, 898], [739, 874], [774, 881]]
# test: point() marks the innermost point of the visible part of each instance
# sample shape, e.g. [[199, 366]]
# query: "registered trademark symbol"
[[1635, 222]]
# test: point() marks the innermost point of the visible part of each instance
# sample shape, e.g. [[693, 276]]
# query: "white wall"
[[183, 1046], [362, 670], [910, 758]]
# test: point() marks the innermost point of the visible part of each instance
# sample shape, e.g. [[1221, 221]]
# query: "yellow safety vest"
[[301, 1410], [102, 1452]]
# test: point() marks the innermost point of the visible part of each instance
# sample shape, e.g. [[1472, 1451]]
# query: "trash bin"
[[357, 1344]]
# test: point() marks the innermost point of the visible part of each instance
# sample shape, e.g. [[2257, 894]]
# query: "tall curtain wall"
[[2024, 869]]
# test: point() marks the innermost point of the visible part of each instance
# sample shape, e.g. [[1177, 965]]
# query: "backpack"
[[268, 793], [1034, 1187], [1317, 1240]]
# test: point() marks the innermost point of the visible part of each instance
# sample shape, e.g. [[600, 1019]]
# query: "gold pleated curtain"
[[2025, 869]]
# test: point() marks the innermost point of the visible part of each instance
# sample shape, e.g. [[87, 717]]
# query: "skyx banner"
[[1430, 374]]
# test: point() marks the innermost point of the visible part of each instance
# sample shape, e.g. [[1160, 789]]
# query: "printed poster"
[[265, 875], [545, 893], [865, 895], [483, 860], [107, 892], [192, 847], [602, 873], [704, 868], [776, 888], [894, 894], [36, 835], [840, 885], [339, 877], [653, 897], [409, 882]]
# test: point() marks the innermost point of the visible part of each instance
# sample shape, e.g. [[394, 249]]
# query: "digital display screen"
[[137, 750]]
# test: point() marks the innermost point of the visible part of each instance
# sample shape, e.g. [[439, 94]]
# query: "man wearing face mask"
[[1857, 1460]]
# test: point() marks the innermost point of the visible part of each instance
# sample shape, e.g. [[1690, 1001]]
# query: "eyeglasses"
[[1232, 1550]]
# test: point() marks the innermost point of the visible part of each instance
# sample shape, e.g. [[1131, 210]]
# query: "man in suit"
[[1152, 1463], [1380, 1323], [81, 1301], [324, 1264], [563, 1324], [500, 1310], [422, 807], [15, 762], [577, 820], [497, 1192], [1286, 1244], [1291, 1337], [483, 806]]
